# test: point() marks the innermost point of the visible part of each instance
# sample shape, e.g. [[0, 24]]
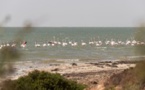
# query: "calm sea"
[[78, 53]]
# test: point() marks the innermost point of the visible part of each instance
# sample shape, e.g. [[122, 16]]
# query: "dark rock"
[[56, 69], [101, 66], [109, 65], [115, 66], [115, 63], [30, 67], [94, 82], [74, 64]]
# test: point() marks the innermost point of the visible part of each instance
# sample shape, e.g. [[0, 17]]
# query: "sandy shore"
[[91, 74]]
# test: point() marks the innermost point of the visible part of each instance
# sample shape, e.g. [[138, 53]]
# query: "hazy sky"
[[96, 13]]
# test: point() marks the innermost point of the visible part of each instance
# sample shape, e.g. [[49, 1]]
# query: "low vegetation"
[[40, 80], [130, 79]]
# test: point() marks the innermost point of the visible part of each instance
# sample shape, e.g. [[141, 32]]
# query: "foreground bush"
[[37, 80]]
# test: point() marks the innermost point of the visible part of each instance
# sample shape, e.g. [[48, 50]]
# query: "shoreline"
[[90, 74]]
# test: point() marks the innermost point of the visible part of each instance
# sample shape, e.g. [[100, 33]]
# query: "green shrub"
[[38, 80]]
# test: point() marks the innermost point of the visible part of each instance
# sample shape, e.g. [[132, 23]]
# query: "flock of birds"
[[23, 44], [92, 43], [82, 43]]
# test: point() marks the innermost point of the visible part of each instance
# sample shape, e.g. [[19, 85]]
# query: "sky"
[[73, 13]]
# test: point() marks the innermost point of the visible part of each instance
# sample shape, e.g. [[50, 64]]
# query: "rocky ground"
[[91, 74]]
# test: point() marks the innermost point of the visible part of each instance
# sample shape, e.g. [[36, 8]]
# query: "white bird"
[[91, 42], [23, 45], [112, 43], [44, 45], [107, 42], [74, 44], [64, 44], [70, 42], [97, 44], [7, 44], [13, 45], [83, 43], [128, 42], [52, 44], [37, 45]]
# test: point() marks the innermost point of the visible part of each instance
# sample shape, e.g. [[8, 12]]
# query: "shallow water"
[[76, 53]]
